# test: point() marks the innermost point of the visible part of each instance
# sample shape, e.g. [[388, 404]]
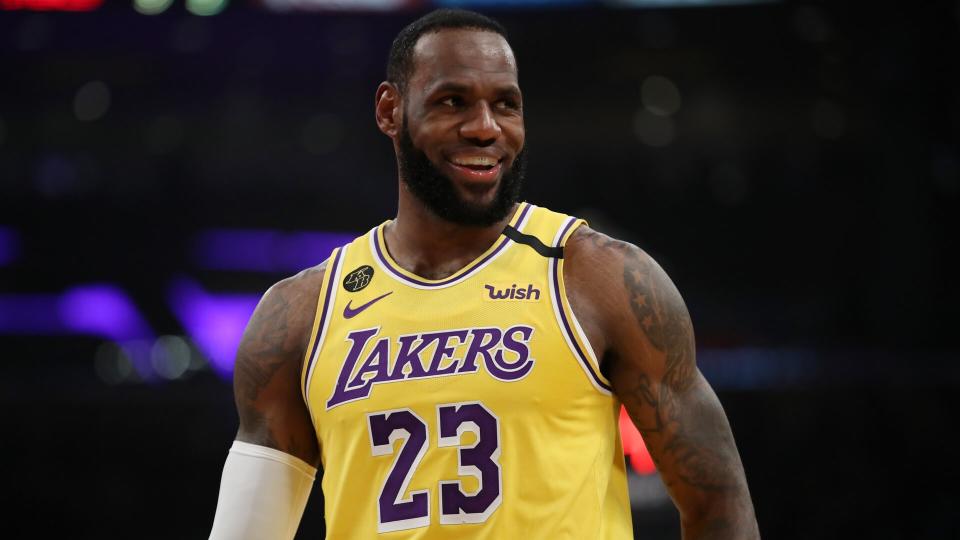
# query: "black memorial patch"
[[358, 279]]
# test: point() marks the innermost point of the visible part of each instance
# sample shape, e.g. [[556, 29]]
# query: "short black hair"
[[400, 61]]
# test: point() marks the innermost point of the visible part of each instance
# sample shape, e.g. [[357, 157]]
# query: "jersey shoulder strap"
[[546, 232]]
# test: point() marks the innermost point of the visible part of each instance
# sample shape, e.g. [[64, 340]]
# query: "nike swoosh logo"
[[349, 312]]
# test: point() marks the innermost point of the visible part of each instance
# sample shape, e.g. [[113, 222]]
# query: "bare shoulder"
[[650, 358], [298, 292], [596, 255], [267, 370], [599, 256], [619, 285], [283, 315]]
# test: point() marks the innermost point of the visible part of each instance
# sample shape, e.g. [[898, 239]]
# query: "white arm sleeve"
[[262, 494]]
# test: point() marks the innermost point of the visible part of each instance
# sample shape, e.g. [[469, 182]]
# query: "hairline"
[[402, 87]]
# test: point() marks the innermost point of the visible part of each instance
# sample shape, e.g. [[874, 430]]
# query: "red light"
[[51, 5], [634, 446]]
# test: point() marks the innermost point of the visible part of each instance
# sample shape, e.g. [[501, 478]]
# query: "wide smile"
[[480, 169]]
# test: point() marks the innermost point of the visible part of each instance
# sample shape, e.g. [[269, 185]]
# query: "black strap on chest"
[[534, 242]]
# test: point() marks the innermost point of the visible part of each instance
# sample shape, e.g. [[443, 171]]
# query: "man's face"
[[460, 144]]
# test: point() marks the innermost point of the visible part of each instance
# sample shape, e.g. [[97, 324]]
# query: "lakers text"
[[504, 353]]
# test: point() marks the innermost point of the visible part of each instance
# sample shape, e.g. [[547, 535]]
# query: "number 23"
[[480, 460]]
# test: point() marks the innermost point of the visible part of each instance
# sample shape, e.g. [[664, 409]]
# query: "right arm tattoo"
[[267, 371], [263, 351]]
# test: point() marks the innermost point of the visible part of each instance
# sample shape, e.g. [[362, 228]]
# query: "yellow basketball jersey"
[[467, 407]]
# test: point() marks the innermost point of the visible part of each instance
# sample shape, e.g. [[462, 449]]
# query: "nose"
[[481, 128]]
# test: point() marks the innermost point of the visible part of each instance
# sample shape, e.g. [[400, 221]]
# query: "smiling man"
[[458, 371]]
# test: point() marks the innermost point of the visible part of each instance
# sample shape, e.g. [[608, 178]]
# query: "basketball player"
[[457, 371]]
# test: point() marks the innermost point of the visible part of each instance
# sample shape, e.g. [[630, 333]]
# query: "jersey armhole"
[[570, 327], [321, 320]]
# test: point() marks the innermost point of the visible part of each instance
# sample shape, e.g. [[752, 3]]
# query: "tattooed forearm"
[[652, 363], [264, 345], [693, 436], [263, 351], [266, 373]]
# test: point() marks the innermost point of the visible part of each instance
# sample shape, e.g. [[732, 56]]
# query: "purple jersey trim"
[[563, 315], [503, 242], [332, 274]]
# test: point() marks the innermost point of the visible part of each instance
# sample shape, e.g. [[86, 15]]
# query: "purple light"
[[30, 314], [9, 245], [264, 250], [102, 310], [99, 310], [214, 322]]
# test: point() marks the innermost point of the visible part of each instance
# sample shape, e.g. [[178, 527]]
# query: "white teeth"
[[476, 161]]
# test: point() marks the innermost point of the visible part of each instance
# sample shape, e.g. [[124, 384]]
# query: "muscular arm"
[[636, 318], [266, 377], [270, 469]]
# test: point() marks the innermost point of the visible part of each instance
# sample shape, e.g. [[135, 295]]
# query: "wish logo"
[[511, 292]]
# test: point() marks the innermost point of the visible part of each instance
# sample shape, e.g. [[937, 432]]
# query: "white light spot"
[[170, 357], [653, 130], [828, 119], [151, 7], [91, 101], [660, 96], [322, 134]]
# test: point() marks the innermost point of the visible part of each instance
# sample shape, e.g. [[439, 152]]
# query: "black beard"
[[437, 192]]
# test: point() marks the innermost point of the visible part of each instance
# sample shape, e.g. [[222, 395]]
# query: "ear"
[[388, 109]]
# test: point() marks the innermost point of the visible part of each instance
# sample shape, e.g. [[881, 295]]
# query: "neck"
[[431, 247]]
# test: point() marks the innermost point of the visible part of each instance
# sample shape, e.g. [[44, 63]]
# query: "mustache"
[[439, 194]]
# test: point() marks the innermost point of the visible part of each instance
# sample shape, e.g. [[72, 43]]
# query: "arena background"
[[794, 166]]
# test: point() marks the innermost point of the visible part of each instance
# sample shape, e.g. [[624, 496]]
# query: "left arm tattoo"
[[651, 357]]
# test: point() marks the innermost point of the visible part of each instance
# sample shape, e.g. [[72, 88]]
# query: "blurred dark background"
[[794, 167]]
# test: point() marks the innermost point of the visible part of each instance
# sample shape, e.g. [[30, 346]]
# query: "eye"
[[510, 104], [452, 101]]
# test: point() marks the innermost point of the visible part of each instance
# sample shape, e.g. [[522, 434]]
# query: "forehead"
[[463, 55]]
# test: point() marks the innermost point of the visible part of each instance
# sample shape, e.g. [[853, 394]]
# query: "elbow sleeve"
[[263, 492]]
